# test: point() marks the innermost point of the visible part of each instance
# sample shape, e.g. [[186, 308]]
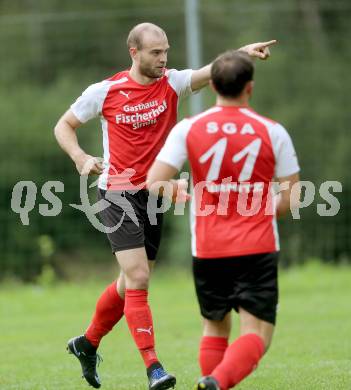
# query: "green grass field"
[[311, 349]]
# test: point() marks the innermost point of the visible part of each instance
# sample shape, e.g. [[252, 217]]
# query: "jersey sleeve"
[[89, 104], [174, 151], [285, 154], [180, 81]]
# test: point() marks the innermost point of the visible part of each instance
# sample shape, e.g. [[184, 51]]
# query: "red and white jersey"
[[136, 120], [234, 154]]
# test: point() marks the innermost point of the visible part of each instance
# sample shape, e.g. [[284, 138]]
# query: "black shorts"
[[129, 214], [250, 282]]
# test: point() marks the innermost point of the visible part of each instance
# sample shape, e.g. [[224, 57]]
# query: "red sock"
[[239, 360], [109, 310], [139, 319], [211, 353]]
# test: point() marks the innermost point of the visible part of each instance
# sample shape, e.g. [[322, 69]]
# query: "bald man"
[[137, 108]]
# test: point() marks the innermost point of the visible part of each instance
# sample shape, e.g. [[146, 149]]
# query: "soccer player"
[[234, 154], [137, 108]]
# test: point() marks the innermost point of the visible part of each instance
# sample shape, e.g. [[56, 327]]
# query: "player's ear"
[[249, 87], [212, 85], [133, 52]]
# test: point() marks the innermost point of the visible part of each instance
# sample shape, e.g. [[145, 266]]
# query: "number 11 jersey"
[[234, 155]]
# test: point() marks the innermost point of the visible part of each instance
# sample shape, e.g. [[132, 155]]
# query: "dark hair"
[[230, 72]]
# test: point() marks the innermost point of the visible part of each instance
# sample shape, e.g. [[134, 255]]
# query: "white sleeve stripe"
[[89, 104], [180, 81], [259, 118], [174, 151], [78, 114], [203, 114], [120, 81]]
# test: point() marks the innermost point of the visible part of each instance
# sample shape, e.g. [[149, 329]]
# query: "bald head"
[[142, 32], [148, 47]]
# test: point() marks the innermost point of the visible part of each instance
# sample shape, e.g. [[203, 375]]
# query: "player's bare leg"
[[250, 324], [121, 282], [136, 271], [218, 328]]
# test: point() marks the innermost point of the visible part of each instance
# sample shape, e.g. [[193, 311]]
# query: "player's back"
[[232, 156]]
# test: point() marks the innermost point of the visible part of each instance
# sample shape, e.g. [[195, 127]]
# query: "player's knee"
[[139, 278]]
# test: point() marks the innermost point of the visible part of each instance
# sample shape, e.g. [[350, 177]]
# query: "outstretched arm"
[[201, 77], [160, 182]]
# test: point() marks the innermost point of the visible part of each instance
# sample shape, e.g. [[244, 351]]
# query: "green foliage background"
[[306, 353], [51, 50]]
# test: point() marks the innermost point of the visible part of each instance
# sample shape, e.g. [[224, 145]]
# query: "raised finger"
[[269, 43]]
